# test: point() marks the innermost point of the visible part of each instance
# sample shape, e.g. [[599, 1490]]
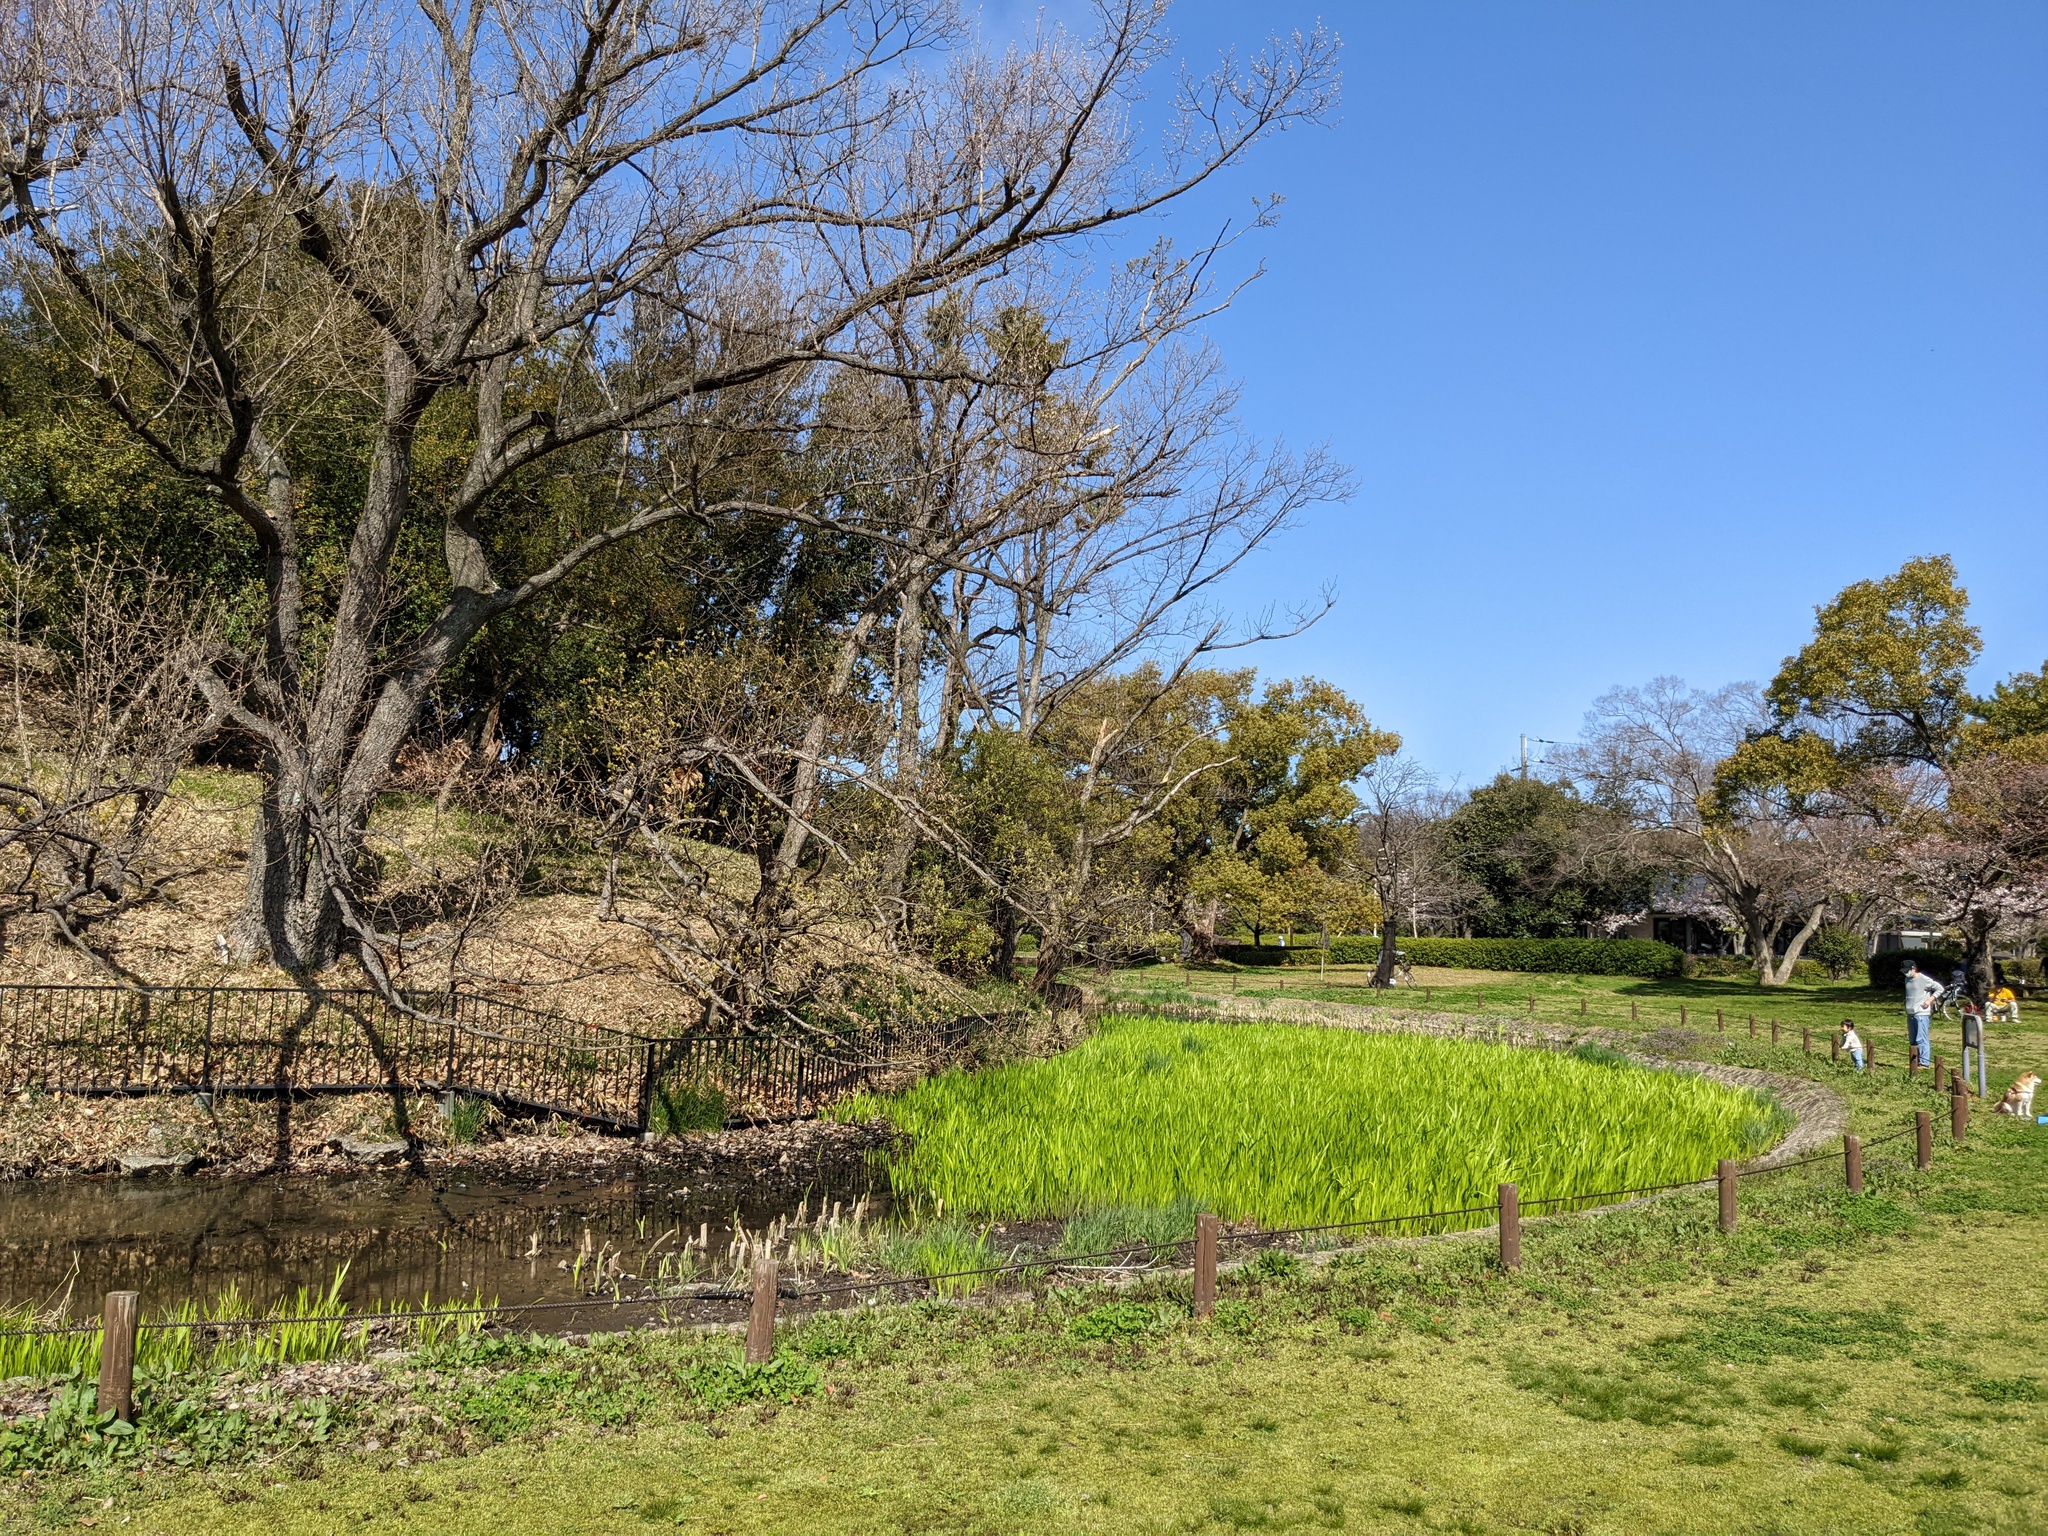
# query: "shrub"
[[1838, 951], [1570, 957]]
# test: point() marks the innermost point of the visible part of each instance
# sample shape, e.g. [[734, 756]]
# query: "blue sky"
[[1645, 328]]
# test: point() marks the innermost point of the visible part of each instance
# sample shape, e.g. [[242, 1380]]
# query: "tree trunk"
[[1977, 956], [1383, 972], [1775, 972], [1006, 941]]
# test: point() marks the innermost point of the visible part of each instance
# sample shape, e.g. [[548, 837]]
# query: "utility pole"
[[1525, 754]]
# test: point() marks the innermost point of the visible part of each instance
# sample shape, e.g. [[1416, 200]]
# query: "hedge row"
[[1571, 957], [1889, 970]]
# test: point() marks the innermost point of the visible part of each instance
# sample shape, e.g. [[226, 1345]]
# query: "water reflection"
[[456, 1236]]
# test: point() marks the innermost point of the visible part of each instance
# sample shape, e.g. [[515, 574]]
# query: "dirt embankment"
[[164, 1135]]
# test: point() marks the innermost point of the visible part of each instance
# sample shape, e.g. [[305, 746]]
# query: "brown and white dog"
[[2019, 1098]]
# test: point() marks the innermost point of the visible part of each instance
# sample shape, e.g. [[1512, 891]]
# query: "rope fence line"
[[767, 1291]]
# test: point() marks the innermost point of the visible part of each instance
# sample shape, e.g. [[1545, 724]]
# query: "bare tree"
[[105, 718], [595, 228], [1399, 849], [1979, 861], [1777, 863]]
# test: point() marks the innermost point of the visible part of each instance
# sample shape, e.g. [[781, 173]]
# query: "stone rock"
[[379, 1153], [142, 1165]]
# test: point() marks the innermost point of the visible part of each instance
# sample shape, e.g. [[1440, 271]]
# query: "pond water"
[[456, 1235]]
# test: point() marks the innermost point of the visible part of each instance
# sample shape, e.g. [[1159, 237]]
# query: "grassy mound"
[[1296, 1126]]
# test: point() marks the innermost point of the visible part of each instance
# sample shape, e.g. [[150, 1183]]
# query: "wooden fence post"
[[1958, 1116], [1582, 1007], [1205, 1265], [117, 1354], [1923, 1136], [1852, 1162], [1632, 1012], [1717, 1020], [1727, 1178], [761, 1321], [1510, 1227], [1806, 1038], [1834, 1048], [1681, 1015], [1774, 1031], [1939, 1078], [1912, 1065], [1532, 1007]]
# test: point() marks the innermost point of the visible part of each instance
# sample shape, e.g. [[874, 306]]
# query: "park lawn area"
[[1839, 1364], [1616, 1002], [1897, 1392]]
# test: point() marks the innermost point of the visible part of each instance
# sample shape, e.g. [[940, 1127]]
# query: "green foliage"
[[729, 1382], [1570, 957], [944, 1248], [1837, 950], [1521, 843], [1288, 1125], [467, 1118], [2017, 707], [1886, 674], [681, 1105], [1119, 1227], [1115, 1320]]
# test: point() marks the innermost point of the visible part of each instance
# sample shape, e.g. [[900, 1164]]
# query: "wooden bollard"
[[1510, 1227], [1806, 1038], [761, 1321], [1681, 1015], [1427, 994], [1718, 1025], [1582, 1007], [1632, 1012], [1752, 1026], [1725, 1173], [1852, 1162], [1939, 1079], [1532, 1007], [1912, 1065], [1834, 1048], [1205, 1265], [1774, 1031], [1958, 1116], [1923, 1138], [1955, 1082], [117, 1354]]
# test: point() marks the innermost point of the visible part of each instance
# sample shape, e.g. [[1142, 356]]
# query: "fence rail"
[[278, 1040]]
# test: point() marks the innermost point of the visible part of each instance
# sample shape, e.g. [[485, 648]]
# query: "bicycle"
[[1402, 976]]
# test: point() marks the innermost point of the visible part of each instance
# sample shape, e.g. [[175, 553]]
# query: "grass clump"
[[1288, 1125], [683, 1105], [1140, 1230]]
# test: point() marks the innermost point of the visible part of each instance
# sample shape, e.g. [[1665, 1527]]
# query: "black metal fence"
[[227, 1040]]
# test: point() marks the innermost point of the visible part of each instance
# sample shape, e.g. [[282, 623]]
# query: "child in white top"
[[1852, 1043]]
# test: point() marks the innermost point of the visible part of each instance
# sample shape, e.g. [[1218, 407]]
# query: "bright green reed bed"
[[1294, 1126]]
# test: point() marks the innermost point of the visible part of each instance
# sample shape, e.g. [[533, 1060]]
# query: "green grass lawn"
[[1710, 1005], [1853, 1364]]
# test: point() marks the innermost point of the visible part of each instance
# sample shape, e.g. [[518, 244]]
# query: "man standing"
[[1921, 992]]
